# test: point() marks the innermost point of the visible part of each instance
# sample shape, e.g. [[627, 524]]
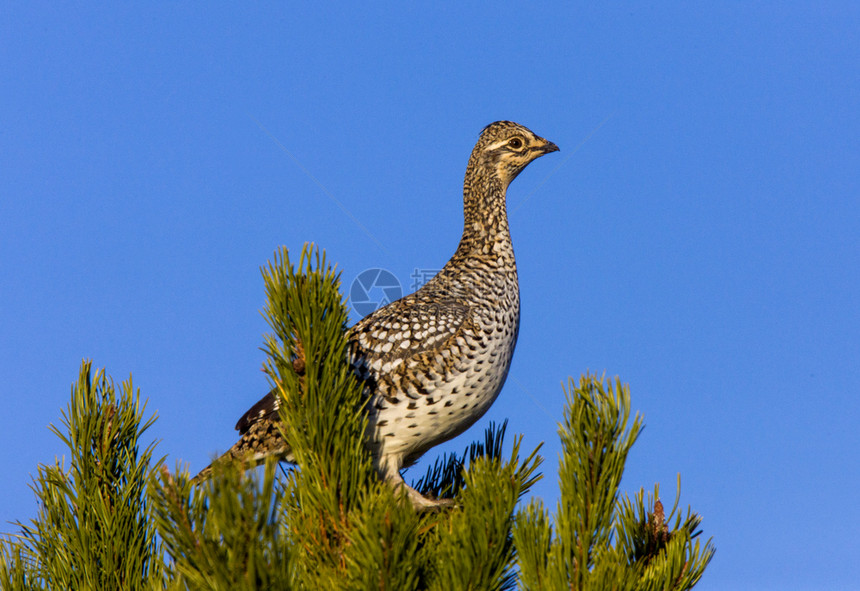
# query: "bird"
[[434, 361]]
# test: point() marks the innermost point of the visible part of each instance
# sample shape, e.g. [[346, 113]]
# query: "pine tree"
[[328, 522], [597, 539], [94, 529]]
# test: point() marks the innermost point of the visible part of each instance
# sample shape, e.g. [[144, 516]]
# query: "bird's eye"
[[516, 143]]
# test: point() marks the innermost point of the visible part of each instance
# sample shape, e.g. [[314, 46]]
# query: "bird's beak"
[[548, 147]]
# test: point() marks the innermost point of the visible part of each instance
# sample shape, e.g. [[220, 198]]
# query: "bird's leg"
[[422, 503], [391, 474]]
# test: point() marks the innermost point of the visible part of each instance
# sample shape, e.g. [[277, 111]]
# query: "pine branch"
[[447, 476], [93, 529], [321, 408], [386, 545], [474, 546], [598, 541], [321, 399], [663, 550], [18, 570], [224, 534]]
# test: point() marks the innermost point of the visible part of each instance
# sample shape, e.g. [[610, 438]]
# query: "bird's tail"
[[262, 440]]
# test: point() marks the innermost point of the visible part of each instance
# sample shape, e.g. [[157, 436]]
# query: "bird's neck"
[[485, 253], [485, 216]]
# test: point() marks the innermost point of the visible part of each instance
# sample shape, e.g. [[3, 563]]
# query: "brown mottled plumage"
[[437, 358]]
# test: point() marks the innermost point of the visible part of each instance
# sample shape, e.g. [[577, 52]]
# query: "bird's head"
[[506, 148]]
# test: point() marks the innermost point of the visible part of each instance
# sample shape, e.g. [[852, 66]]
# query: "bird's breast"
[[442, 394]]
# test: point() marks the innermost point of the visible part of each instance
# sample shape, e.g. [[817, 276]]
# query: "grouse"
[[436, 359]]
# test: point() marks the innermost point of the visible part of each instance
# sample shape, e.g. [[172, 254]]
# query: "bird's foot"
[[422, 503]]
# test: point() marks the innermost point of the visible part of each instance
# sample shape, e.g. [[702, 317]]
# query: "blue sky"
[[697, 235]]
